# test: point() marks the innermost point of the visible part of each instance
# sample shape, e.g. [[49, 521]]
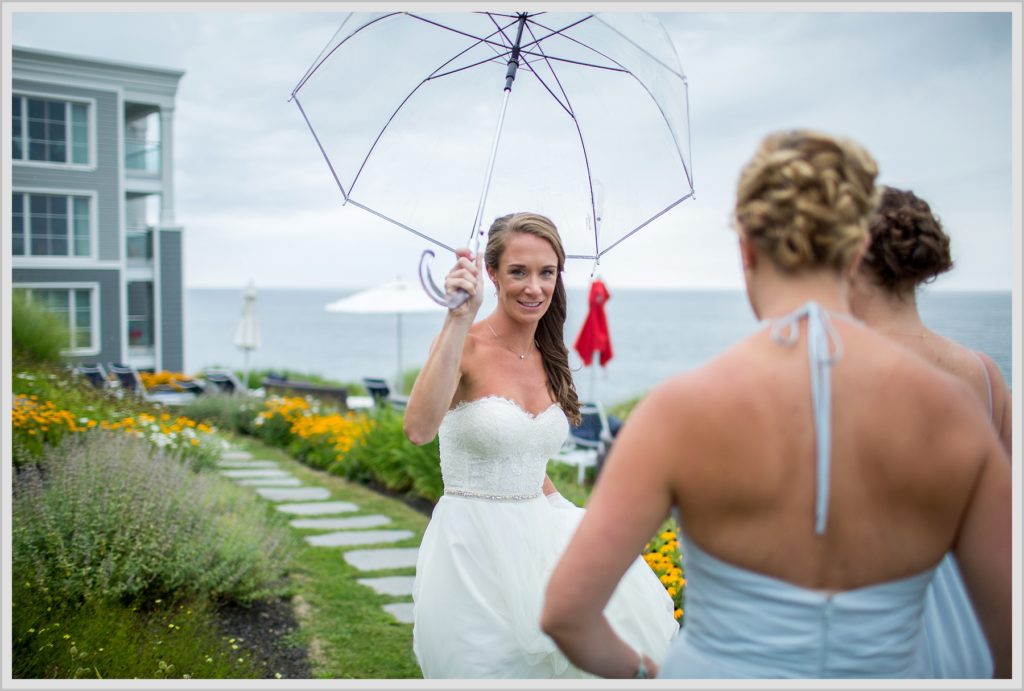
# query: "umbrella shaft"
[[513, 64], [513, 61], [478, 229]]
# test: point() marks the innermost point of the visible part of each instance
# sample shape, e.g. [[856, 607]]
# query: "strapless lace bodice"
[[491, 446]]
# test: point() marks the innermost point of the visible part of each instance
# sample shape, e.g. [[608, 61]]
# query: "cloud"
[[928, 93]]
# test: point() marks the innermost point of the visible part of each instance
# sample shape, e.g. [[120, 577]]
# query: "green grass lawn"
[[341, 623]]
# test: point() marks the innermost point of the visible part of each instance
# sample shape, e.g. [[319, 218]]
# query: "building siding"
[[107, 85], [104, 180], [172, 301], [109, 281]]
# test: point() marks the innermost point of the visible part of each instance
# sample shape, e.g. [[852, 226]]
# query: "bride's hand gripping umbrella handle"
[[430, 287]]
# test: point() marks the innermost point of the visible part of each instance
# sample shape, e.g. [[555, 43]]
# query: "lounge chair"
[[129, 380], [223, 381], [588, 442], [127, 377], [381, 393], [95, 374]]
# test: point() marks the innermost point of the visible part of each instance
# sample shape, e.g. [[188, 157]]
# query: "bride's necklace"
[[521, 356]]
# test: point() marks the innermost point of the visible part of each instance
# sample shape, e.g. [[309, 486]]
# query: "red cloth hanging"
[[594, 336]]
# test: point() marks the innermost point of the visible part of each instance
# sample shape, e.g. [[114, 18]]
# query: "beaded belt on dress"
[[492, 497]]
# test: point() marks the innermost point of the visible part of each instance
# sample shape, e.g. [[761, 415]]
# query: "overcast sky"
[[928, 93]]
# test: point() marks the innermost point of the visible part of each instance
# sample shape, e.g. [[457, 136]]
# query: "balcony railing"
[[139, 244], [141, 155]]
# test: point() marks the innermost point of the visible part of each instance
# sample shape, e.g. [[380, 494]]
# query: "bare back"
[[906, 450], [976, 369]]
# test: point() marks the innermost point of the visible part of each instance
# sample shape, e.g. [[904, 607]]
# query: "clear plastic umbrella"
[[437, 123]]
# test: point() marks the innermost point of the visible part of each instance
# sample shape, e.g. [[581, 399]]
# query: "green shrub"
[[409, 378], [36, 333], [274, 430], [105, 516], [622, 409], [228, 413], [316, 451], [564, 476], [385, 456]]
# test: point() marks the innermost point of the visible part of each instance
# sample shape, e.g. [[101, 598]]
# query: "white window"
[[51, 225], [49, 130], [76, 305]]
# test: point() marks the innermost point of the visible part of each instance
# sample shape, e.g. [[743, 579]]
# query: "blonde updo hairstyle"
[[550, 329], [804, 199]]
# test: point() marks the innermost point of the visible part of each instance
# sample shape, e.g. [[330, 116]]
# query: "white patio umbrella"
[[247, 335], [396, 297]]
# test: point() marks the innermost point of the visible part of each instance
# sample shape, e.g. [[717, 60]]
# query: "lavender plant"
[[108, 516]]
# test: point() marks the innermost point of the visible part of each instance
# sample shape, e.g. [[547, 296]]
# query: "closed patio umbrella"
[[594, 337], [396, 297], [247, 335]]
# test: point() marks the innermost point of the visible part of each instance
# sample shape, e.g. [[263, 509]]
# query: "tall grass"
[[36, 333], [107, 517], [107, 640]]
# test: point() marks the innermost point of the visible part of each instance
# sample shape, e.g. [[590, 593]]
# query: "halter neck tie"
[[824, 349]]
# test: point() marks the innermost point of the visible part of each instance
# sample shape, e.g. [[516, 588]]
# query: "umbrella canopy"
[[396, 297], [247, 335], [403, 108], [595, 337]]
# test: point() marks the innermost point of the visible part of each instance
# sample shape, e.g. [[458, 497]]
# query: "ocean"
[[655, 334]]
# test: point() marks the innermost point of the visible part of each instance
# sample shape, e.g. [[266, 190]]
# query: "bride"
[[499, 394]]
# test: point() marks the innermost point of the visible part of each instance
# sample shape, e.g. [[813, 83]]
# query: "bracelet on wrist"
[[641, 670]]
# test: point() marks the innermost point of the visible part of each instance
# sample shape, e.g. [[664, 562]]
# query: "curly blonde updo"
[[804, 199]]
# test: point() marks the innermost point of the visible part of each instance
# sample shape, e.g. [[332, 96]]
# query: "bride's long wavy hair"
[[550, 329]]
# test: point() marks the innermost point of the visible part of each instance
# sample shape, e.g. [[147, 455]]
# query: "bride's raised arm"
[[439, 380]]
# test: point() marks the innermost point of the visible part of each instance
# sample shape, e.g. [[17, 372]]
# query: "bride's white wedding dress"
[[491, 545]]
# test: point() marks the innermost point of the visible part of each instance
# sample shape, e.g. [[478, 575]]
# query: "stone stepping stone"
[[402, 611], [378, 559], [257, 472], [296, 494], [247, 464], [320, 508], [369, 521], [235, 456], [271, 482], [347, 538], [390, 585]]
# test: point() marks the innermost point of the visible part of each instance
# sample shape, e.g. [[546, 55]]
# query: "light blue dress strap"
[[824, 349], [988, 381]]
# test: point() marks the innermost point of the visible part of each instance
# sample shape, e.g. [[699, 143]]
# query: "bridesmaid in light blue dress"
[[819, 471], [909, 248]]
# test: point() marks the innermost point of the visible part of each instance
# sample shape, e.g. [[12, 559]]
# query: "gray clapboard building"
[[92, 210]]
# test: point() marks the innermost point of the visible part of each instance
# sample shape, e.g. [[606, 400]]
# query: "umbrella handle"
[[431, 289]]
